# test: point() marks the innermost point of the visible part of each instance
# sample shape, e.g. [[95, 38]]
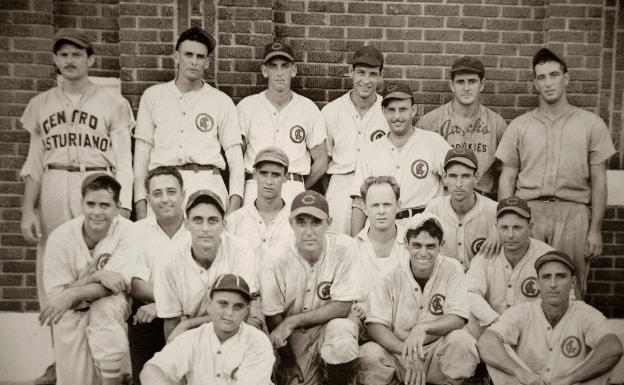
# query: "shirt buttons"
[[508, 306], [358, 150], [421, 308], [398, 167], [548, 328], [263, 239], [184, 113], [508, 285], [460, 225], [218, 351], [459, 243], [550, 349], [305, 308], [218, 375]]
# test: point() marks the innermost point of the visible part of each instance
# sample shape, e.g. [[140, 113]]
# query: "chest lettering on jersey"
[[77, 116], [571, 347], [204, 122], [376, 135], [297, 134], [476, 147], [420, 169], [323, 290], [102, 260], [73, 139], [529, 287], [436, 304], [476, 245], [478, 126]]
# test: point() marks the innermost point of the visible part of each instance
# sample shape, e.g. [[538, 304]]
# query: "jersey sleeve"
[[444, 147], [476, 284], [125, 257], [318, 130], [380, 301], [29, 116], [57, 269], [594, 325], [330, 123], [499, 125], [33, 166], [244, 120], [600, 146], [175, 360], [228, 128], [271, 278], [167, 292], [429, 122], [145, 126], [456, 301], [509, 324], [258, 360], [507, 150], [346, 285]]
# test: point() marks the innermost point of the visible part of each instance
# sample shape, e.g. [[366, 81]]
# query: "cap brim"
[[460, 159], [554, 258], [313, 211], [271, 160], [513, 209], [278, 54], [398, 95], [212, 198], [73, 40], [235, 290], [369, 61], [467, 69]]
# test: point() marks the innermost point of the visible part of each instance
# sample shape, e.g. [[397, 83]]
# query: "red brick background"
[[134, 42]]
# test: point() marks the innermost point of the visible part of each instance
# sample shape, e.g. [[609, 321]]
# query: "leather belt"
[[197, 167], [550, 198], [408, 213], [73, 168], [291, 176]]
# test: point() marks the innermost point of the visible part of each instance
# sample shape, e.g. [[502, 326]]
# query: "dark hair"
[[429, 226], [103, 184], [367, 66], [385, 102], [196, 34], [545, 55], [384, 179], [207, 200], [453, 74], [62, 42], [163, 170]]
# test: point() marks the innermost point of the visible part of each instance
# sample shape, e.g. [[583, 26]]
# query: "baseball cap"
[[200, 35], [417, 221], [468, 64], [513, 204], [272, 154], [204, 196], [75, 37], [368, 55], [278, 48], [397, 91], [231, 282], [99, 176], [555, 256], [461, 155], [309, 202]]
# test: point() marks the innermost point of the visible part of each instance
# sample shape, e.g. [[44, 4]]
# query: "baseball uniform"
[[290, 285], [463, 238], [481, 135], [399, 303], [553, 160], [347, 134], [295, 129], [190, 128], [198, 356], [91, 336]]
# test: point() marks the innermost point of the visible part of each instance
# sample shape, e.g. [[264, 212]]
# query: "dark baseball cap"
[[311, 203], [515, 205], [272, 154], [278, 49], [99, 176], [74, 37], [233, 283], [368, 55], [461, 155], [197, 34], [555, 256], [468, 64], [396, 91], [205, 196]]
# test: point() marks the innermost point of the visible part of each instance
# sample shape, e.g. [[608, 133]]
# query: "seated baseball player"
[[553, 340], [182, 286], [224, 351], [468, 218], [308, 286], [90, 262], [417, 316]]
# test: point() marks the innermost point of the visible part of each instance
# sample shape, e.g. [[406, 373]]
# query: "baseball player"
[[417, 314], [466, 123], [308, 286], [161, 235], [186, 123], [282, 118], [468, 219], [182, 286], [90, 262], [414, 157], [224, 351], [353, 120], [548, 341], [555, 158]]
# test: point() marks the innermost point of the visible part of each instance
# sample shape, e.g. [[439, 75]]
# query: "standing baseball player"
[[555, 158], [224, 351], [282, 118], [414, 157], [308, 286], [90, 262], [182, 287], [76, 128], [469, 219], [353, 120], [465, 123], [417, 314], [186, 123], [548, 341]]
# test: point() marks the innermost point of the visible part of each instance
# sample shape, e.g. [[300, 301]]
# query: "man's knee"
[[112, 308], [458, 356], [340, 344], [371, 353]]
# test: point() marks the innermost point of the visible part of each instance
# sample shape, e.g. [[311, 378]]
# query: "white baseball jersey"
[[463, 238], [418, 166], [246, 358], [481, 135], [348, 132], [187, 127], [551, 352], [183, 286], [295, 129], [398, 302], [95, 132]]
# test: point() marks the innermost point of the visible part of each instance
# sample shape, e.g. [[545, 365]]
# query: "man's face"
[[228, 309], [165, 196], [399, 114], [555, 281], [270, 177], [72, 61], [365, 80], [279, 73], [467, 88], [99, 208], [550, 81], [381, 206], [309, 233], [460, 181], [192, 60], [205, 223], [513, 231], [423, 251]]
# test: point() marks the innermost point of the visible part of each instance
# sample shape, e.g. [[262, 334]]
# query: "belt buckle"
[[195, 168]]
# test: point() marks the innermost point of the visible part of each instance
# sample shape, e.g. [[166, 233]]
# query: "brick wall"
[[134, 41]]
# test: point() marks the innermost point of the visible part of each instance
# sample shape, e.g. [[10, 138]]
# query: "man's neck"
[[184, 85], [92, 238], [362, 105], [205, 256], [465, 205], [272, 205], [464, 111], [224, 336], [399, 141], [421, 275], [171, 225], [554, 313], [312, 258], [279, 99], [553, 110], [382, 236], [75, 87], [513, 257]]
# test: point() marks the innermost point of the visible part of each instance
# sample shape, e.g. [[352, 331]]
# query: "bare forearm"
[[493, 353], [321, 315], [320, 163], [141, 290], [31, 192], [358, 219], [87, 293], [598, 196], [192, 323], [444, 325], [507, 182], [601, 360], [234, 157], [170, 324], [273, 321], [385, 337], [482, 310], [141, 162]]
